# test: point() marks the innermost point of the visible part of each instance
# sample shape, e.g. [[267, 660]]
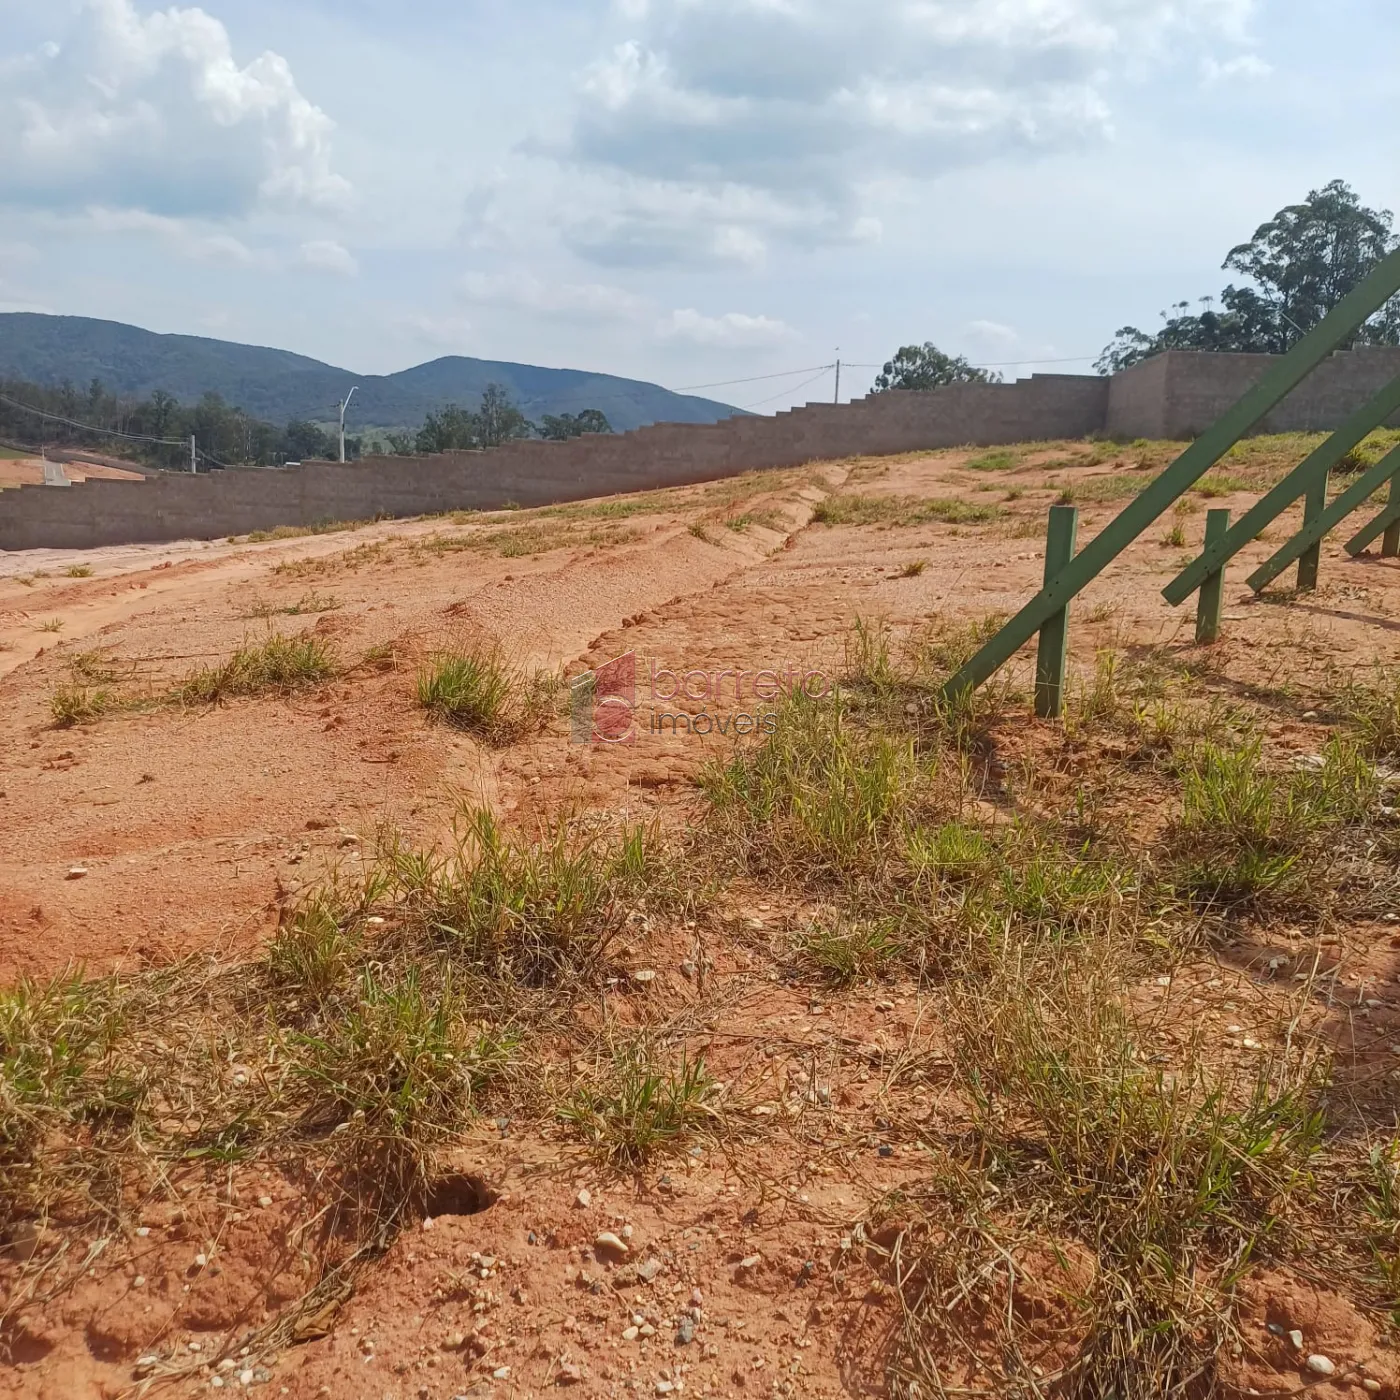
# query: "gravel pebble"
[[1321, 1366]]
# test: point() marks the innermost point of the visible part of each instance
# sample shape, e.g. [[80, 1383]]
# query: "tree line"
[[155, 431], [1299, 265], [496, 421], [38, 416]]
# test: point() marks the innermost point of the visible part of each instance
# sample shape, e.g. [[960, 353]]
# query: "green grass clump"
[[640, 1110], [78, 571], [470, 689], [529, 913], [1247, 833], [1217, 484], [476, 689], [79, 704], [846, 951], [1372, 710], [1148, 1189], [823, 793], [55, 1039], [278, 665], [1000, 460], [396, 1069], [900, 510], [1097, 489]]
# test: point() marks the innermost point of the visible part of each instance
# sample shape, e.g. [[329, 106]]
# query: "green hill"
[[277, 385]]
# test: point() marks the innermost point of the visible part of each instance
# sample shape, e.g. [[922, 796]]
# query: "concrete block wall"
[[1175, 395], [236, 501], [1181, 393]]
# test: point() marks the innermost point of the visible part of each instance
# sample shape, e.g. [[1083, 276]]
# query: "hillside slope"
[[277, 385]]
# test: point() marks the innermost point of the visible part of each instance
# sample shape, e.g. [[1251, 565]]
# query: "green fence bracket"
[[1360, 491], [1314, 503], [1275, 501], [1053, 656], [1387, 523], [1277, 382], [1212, 593]]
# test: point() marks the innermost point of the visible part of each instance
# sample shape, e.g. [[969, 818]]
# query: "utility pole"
[[345, 403], [194, 455], [837, 399]]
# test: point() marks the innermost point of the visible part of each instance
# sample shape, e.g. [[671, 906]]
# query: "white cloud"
[[450, 333], [154, 113], [730, 124], [524, 291], [1247, 66], [184, 237], [732, 331], [992, 334], [324, 255]]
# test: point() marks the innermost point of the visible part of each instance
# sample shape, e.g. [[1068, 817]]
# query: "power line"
[[753, 379], [89, 427], [999, 364], [825, 368]]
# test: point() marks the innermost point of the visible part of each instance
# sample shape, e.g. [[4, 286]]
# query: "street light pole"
[[345, 403]]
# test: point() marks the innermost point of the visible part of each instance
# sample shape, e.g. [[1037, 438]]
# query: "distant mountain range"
[[277, 386]]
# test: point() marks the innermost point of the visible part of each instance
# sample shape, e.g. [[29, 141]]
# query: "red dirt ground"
[[194, 827]]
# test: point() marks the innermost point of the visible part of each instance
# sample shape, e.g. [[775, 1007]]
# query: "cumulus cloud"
[[793, 107], [734, 330], [188, 241], [1246, 66], [324, 255], [154, 113], [520, 290]]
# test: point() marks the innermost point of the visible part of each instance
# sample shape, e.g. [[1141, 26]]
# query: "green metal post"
[[1212, 593], [1314, 503], [1274, 502], [1053, 655], [1356, 494], [1390, 545], [1278, 381], [1383, 524]]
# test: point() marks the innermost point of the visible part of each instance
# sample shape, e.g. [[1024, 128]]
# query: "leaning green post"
[[1382, 524], [1314, 503], [1053, 654], [1357, 494], [1390, 545], [1320, 461], [1277, 382], [1212, 593]]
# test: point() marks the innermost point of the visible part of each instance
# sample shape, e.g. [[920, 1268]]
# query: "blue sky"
[[686, 191]]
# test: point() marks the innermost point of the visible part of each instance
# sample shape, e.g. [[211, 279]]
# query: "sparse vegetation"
[[901, 510], [75, 704], [78, 571], [476, 689], [1032, 1023], [277, 665], [638, 1110]]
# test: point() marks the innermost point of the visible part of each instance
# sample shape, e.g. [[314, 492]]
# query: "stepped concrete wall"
[[233, 502], [1172, 395], [1181, 393]]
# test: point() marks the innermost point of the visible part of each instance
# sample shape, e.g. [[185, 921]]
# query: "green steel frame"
[[1279, 380], [1312, 470], [1386, 523], [1358, 493]]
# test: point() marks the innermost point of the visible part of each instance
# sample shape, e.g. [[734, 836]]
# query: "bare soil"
[[162, 831]]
